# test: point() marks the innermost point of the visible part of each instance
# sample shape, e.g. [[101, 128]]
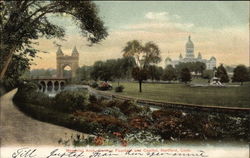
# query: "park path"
[[17, 129]]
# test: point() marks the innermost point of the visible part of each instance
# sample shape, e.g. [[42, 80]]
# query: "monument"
[[65, 60]]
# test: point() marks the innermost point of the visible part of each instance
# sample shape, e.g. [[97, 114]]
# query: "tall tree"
[[23, 22], [144, 55], [222, 74], [185, 75], [83, 73], [169, 73], [155, 72], [240, 74]]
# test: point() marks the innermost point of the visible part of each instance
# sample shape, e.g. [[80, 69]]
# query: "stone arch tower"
[[65, 60]]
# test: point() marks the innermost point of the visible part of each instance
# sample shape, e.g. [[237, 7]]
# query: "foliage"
[[144, 55], [35, 73], [140, 122], [13, 76], [139, 75], [240, 74], [94, 84], [196, 67], [221, 73], [143, 137], [119, 88], [103, 70], [185, 75], [155, 72], [70, 101], [108, 123], [127, 123], [207, 74], [22, 22], [112, 69], [92, 99], [169, 73], [83, 73], [128, 108]]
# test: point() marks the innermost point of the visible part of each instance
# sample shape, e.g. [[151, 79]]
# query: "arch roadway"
[[51, 84]]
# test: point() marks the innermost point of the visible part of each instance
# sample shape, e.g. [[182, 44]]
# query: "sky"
[[217, 28]]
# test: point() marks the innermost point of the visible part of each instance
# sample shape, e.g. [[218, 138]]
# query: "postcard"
[[124, 79]]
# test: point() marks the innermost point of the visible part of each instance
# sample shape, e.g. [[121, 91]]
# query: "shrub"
[[119, 88], [108, 123], [140, 122], [115, 112], [70, 101], [158, 114], [168, 127], [129, 108], [95, 107], [92, 98], [94, 85], [25, 92]]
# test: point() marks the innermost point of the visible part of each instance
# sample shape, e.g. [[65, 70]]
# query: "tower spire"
[[74, 51], [59, 50]]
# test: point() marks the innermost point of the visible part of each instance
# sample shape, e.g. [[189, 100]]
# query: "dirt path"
[[17, 129]]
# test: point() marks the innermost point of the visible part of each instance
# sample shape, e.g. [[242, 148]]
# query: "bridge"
[[51, 84]]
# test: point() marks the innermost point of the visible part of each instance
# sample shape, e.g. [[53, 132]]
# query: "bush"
[[108, 123], [25, 92], [115, 112], [129, 108], [159, 114], [94, 85], [70, 101], [119, 88], [92, 99], [95, 107]]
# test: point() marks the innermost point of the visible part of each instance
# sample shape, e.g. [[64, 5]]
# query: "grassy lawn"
[[220, 96]]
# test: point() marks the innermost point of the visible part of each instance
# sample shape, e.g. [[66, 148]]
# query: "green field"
[[181, 93]]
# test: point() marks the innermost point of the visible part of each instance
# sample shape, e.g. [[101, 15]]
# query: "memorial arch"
[[63, 61]]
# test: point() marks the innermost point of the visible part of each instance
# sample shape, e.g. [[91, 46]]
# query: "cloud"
[[229, 45], [157, 15], [161, 20]]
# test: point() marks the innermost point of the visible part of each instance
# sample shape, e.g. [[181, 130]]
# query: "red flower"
[[99, 140], [118, 134]]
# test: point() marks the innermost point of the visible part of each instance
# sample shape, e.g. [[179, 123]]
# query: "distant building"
[[65, 60], [190, 57]]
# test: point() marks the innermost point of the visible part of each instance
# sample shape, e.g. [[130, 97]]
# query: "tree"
[[23, 22], [155, 72], [139, 75], [185, 75], [96, 71], [83, 73], [169, 73], [127, 66], [17, 67], [207, 74], [240, 74], [144, 55], [222, 74]]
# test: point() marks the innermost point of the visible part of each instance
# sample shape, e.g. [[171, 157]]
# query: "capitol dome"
[[189, 43]]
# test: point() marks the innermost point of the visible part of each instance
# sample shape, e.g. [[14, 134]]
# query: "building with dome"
[[190, 57]]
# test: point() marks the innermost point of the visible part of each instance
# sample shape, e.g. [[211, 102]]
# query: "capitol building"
[[190, 57]]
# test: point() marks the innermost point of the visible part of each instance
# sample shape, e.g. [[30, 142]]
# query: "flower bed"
[[125, 123]]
